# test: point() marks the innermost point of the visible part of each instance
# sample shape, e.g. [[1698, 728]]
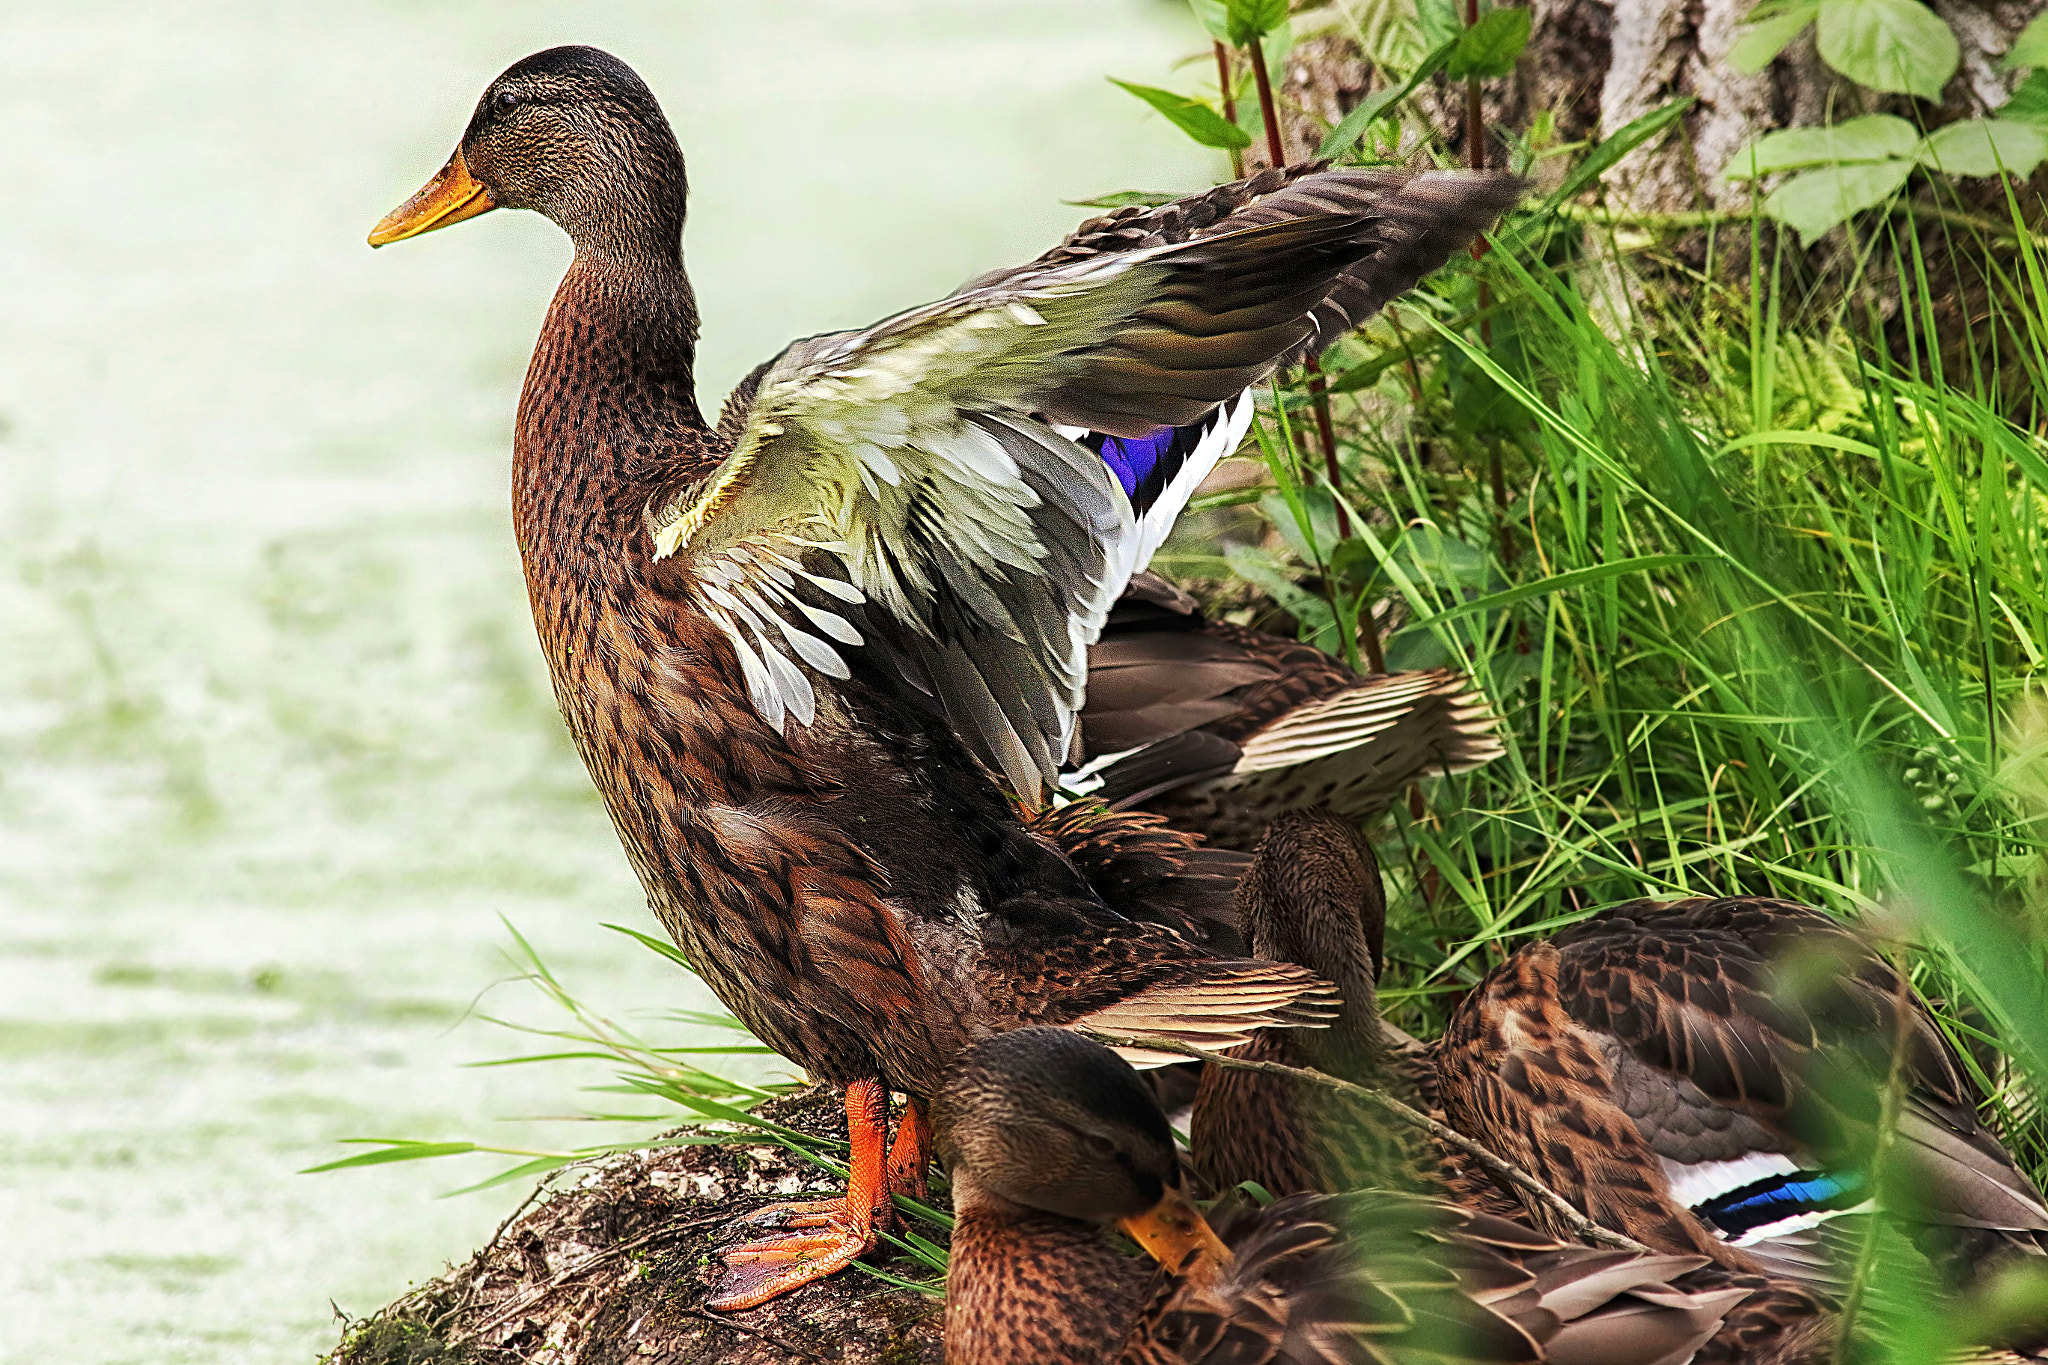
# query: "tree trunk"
[[613, 1260], [1597, 65]]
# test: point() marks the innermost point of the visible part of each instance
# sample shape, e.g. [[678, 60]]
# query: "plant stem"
[[1326, 432], [1475, 112], [1893, 1098], [1580, 1225], [1229, 105], [1318, 390], [1368, 629], [1475, 150], [1275, 152]]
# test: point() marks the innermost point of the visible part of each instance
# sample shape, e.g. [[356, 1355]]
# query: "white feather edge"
[[780, 689], [1214, 1015], [1321, 728]]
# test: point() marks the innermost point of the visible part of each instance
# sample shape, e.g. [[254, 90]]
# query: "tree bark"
[[1596, 65], [612, 1262]]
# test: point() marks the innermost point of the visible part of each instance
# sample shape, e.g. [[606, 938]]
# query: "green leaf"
[[1260, 569], [1985, 147], [1630, 136], [1543, 587], [1117, 199], [1428, 555], [1249, 19], [1490, 47], [1814, 201], [2029, 103], [1764, 38], [659, 945], [2031, 47], [1439, 21], [1898, 45], [1191, 116], [1345, 134], [1874, 137], [398, 1149], [1214, 17]]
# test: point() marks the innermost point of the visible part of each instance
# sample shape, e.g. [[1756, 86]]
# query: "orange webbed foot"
[[819, 1244], [816, 1237], [911, 1155]]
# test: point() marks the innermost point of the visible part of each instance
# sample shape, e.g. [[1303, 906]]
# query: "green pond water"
[[276, 750]]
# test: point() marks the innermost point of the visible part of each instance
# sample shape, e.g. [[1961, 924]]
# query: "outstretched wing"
[[960, 492]]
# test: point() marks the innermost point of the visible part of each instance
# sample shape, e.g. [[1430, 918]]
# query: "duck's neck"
[[610, 404], [1323, 935], [1024, 1286], [608, 416]]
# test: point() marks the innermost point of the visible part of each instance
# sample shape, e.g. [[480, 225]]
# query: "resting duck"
[[1699, 1074], [1050, 1138], [1643, 1065], [793, 654], [1313, 896], [1220, 728]]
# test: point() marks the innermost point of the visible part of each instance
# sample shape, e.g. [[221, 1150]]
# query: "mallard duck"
[[1671, 1034], [1050, 1138], [1313, 896], [795, 656], [1219, 727], [1700, 1074]]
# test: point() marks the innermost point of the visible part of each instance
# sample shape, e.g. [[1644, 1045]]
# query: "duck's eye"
[[1100, 1146], [508, 99]]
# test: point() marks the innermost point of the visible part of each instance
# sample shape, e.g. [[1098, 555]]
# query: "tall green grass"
[[1763, 612]]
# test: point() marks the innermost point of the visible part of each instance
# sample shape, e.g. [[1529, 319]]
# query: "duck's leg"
[[824, 1235], [910, 1156]]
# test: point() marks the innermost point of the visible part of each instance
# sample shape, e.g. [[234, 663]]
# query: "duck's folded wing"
[[1724, 1060]]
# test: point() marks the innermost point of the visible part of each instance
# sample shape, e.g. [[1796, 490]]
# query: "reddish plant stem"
[[1275, 152], [1369, 633], [1318, 390], [1326, 431], [1475, 141], [1229, 105]]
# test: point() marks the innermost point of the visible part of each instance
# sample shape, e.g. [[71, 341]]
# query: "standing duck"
[[1220, 728], [1050, 1138], [793, 656], [1702, 1074]]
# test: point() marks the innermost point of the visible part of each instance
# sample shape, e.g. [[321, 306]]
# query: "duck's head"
[[572, 133], [1045, 1119]]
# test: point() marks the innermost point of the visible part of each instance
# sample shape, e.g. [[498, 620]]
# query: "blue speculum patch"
[[1778, 1197], [1144, 465]]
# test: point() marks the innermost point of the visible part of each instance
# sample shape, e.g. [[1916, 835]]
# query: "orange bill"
[[451, 196], [1177, 1236]]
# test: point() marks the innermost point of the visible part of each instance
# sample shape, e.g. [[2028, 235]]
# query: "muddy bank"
[[612, 1261]]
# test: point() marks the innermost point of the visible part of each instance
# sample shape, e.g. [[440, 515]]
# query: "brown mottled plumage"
[[1049, 1138], [1219, 728], [1681, 1071], [797, 758], [1313, 896]]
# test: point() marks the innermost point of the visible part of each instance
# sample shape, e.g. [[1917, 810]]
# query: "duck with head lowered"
[[1050, 1140], [798, 650]]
